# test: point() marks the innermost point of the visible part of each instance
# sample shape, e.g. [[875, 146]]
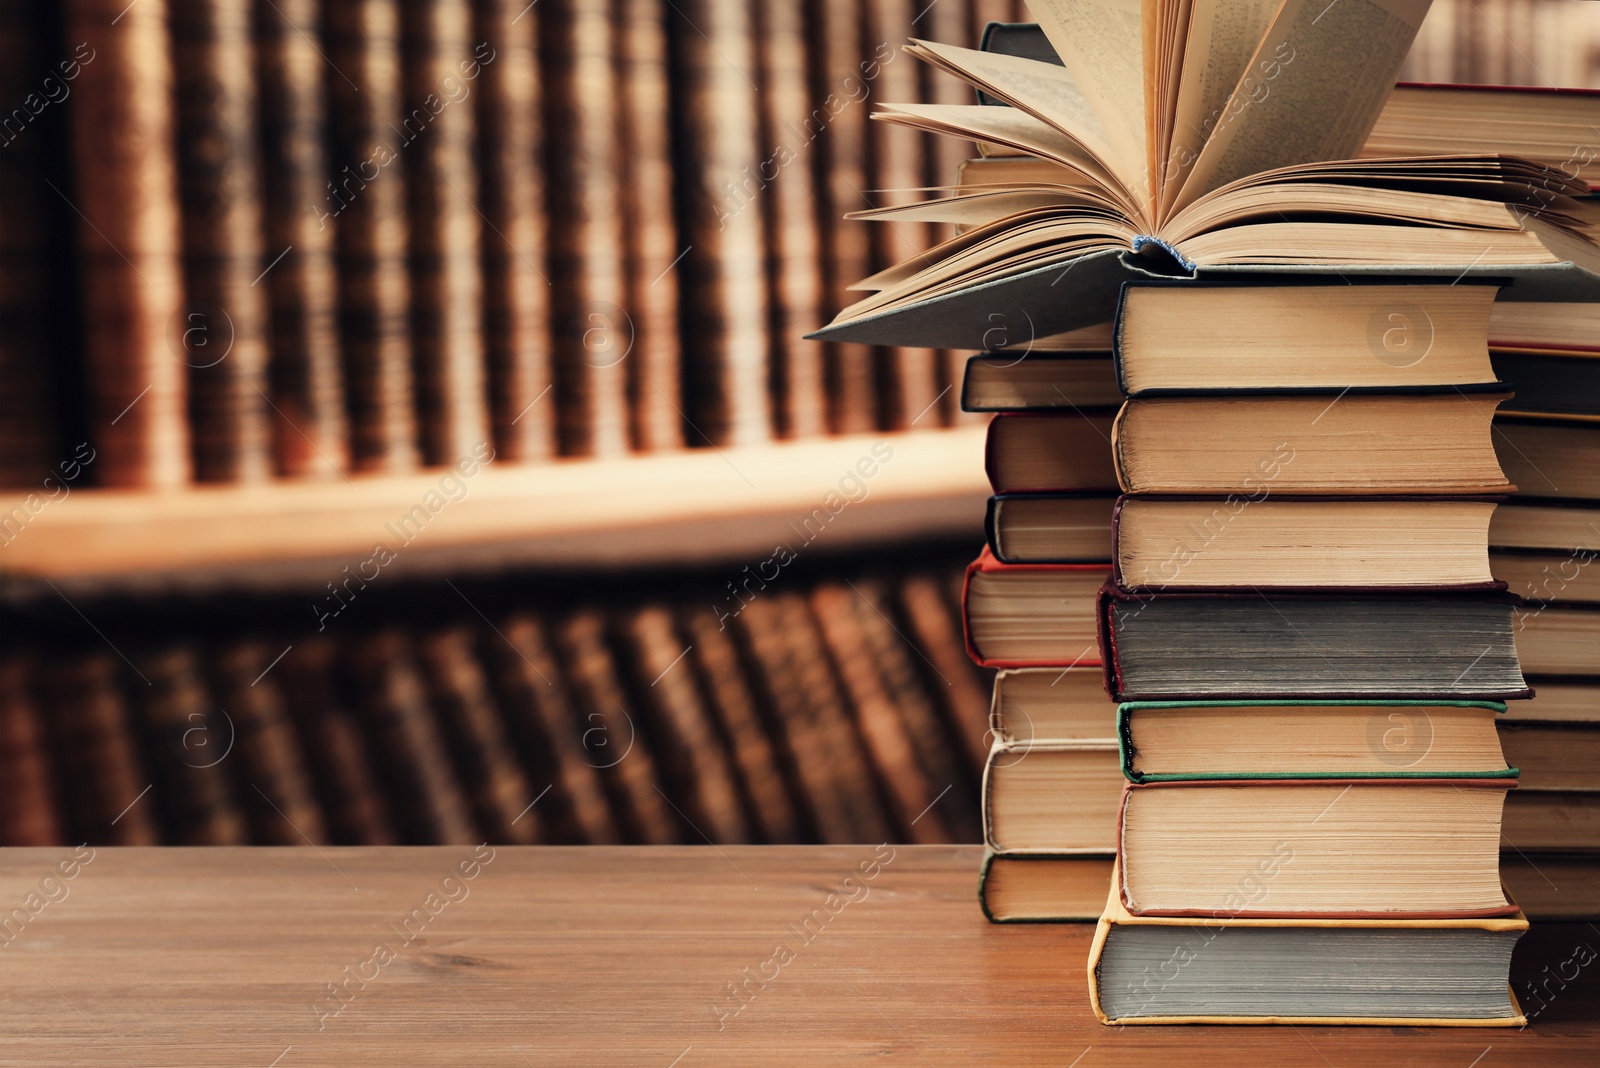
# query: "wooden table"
[[611, 956]]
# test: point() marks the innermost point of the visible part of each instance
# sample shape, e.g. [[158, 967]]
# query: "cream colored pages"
[[979, 209], [1313, 90], [1043, 89], [1007, 126], [1102, 42], [1222, 38]]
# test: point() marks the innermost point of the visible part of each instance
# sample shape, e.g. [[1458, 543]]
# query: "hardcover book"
[[1043, 887], [1333, 336], [1347, 644], [1291, 846], [1050, 528], [1355, 445], [1052, 797], [1162, 543], [1031, 615], [1039, 381], [1056, 452], [1228, 970], [1170, 741]]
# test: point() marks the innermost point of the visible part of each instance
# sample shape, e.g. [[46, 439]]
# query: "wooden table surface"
[[615, 956]]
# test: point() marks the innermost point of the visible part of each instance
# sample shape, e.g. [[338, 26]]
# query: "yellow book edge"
[[1116, 914]]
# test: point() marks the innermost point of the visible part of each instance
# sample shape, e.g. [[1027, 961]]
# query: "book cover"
[[1127, 710], [1115, 915], [1500, 784], [1464, 688], [1077, 885], [985, 563]]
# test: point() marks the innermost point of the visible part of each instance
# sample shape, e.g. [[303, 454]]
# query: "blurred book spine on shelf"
[[366, 236], [837, 708], [1508, 42]]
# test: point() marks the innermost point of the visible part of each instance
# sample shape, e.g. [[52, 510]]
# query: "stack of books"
[[1302, 628], [1051, 783], [1545, 543], [1310, 651]]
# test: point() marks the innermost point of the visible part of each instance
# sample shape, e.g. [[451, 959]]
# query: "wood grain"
[[613, 956]]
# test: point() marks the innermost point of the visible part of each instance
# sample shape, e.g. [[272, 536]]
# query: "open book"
[[1202, 137]]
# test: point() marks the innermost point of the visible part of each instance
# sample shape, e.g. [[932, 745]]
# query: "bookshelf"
[[688, 507]]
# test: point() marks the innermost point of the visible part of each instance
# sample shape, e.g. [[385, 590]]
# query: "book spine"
[[895, 165], [129, 242], [840, 166], [517, 291], [365, 199], [725, 387], [695, 760], [223, 343], [28, 440], [437, 133], [92, 734], [807, 707], [554, 741], [615, 742], [650, 244], [908, 692], [936, 626], [887, 742], [1106, 634], [355, 809], [309, 428], [278, 803], [790, 130], [25, 787], [189, 738], [593, 333], [428, 801], [496, 788], [723, 678]]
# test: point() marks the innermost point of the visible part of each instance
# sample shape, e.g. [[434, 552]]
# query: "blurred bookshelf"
[[277, 273], [834, 703]]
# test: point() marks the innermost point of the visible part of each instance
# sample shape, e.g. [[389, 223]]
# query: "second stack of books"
[[1051, 783]]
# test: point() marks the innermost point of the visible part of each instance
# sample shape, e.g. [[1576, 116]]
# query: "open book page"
[[1012, 127], [1222, 39], [1313, 90], [1166, 27], [982, 208], [1042, 89], [1102, 42], [1354, 244]]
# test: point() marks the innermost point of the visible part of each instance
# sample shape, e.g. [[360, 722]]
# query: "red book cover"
[[986, 562]]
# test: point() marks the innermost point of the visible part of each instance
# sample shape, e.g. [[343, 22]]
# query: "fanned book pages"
[[1201, 138]]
